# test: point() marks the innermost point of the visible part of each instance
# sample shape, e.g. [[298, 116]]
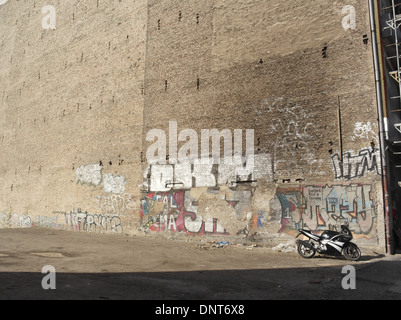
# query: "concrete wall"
[[78, 102]]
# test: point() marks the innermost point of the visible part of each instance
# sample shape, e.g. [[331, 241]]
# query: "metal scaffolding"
[[391, 14], [388, 61]]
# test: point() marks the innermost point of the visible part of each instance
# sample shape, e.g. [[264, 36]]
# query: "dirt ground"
[[98, 266]]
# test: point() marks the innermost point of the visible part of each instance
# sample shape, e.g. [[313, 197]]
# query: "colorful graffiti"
[[325, 207], [176, 212]]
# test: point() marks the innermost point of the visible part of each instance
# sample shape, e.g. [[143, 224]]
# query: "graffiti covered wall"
[[327, 207], [206, 213], [176, 212], [230, 69], [73, 221]]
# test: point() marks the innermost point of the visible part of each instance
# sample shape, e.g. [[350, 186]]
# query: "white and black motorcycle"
[[329, 243]]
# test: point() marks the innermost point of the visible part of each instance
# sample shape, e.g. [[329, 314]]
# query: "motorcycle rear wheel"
[[306, 252], [352, 252]]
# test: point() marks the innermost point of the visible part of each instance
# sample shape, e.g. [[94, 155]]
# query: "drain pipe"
[[383, 125]]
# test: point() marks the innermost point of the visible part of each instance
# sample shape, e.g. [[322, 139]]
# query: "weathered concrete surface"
[[151, 268]]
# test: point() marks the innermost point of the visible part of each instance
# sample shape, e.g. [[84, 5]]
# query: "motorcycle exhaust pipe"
[[306, 244]]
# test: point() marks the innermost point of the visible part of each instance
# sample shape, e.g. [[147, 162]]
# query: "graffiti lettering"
[[83, 221], [115, 204], [319, 208], [15, 220], [356, 166], [176, 212]]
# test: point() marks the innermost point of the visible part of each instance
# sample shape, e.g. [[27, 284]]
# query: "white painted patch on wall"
[[114, 184], [163, 178], [89, 174]]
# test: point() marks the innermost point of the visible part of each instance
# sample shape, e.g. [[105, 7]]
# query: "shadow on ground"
[[380, 280], [364, 258]]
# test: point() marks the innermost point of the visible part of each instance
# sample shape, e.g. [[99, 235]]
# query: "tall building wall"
[[71, 110], [92, 90], [301, 81]]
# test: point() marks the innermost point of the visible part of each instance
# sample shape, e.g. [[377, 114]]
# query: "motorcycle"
[[329, 243]]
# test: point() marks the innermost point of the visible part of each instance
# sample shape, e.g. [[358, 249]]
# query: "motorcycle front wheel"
[[306, 252], [352, 252]]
